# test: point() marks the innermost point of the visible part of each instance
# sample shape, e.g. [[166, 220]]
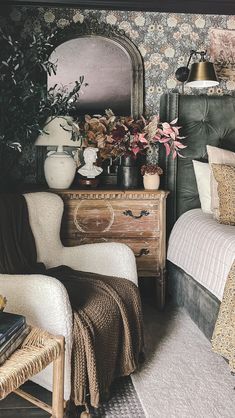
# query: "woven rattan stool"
[[37, 351]]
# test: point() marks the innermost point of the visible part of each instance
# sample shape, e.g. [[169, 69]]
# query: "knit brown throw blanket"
[[108, 333], [107, 329]]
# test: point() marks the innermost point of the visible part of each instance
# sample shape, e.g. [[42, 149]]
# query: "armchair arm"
[[45, 303], [42, 299], [113, 259]]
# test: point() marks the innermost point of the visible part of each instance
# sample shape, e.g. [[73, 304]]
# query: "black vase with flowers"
[[125, 143]]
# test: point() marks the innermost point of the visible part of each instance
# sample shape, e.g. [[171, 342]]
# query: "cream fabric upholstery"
[[44, 300]]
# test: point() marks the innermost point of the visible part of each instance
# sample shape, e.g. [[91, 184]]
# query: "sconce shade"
[[57, 132], [202, 74]]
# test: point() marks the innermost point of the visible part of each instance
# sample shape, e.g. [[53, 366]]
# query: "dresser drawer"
[[147, 252], [136, 218], [110, 218]]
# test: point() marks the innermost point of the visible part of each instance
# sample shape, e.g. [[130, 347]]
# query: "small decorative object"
[[151, 176], [59, 166], [89, 171], [3, 302]]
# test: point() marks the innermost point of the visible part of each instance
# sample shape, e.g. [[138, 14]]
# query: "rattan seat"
[[38, 350]]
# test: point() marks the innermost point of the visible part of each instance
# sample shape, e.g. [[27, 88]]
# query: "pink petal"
[[157, 137], [163, 140], [167, 131], [176, 130], [166, 125], [135, 150], [179, 145], [168, 150]]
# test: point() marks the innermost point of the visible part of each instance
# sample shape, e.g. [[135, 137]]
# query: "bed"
[[200, 250]]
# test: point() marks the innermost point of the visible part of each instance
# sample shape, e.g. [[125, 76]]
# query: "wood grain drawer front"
[[147, 252], [110, 218]]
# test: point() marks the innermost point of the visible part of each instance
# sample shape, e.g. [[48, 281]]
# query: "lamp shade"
[[202, 74], [57, 131]]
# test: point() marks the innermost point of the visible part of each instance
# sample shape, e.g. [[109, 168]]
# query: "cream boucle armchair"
[[43, 299]]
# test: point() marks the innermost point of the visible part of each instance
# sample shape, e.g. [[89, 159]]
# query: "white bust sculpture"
[[90, 170]]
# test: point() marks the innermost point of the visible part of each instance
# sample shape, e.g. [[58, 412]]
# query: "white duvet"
[[203, 248]]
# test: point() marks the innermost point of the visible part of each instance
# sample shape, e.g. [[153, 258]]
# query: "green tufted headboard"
[[204, 120]]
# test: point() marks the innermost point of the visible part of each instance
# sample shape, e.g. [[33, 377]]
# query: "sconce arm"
[[182, 73]]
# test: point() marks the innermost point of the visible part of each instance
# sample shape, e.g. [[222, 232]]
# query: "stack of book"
[[13, 330]]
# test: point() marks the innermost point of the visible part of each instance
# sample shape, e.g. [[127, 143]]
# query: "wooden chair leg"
[[58, 384]]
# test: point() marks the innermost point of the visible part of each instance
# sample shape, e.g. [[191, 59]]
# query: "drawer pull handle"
[[143, 251], [142, 213]]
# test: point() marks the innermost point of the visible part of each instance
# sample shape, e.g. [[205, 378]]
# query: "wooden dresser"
[[134, 217]]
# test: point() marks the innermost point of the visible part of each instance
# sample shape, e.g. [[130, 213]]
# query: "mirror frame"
[[92, 27]]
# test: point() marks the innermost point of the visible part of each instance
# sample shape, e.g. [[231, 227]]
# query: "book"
[[13, 347], [9, 324], [13, 337]]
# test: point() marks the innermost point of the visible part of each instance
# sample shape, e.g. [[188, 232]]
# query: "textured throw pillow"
[[218, 156], [202, 174], [225, 177]]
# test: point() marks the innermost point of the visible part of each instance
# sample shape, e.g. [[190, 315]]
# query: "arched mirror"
[[107, 70], [111, 65]]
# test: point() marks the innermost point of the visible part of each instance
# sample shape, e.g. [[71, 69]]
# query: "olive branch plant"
[[25, 102]]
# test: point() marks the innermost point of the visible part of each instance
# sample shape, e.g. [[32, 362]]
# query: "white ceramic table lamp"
[[59, 166]]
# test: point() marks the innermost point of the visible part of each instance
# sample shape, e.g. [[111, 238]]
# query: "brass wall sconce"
[[201, 74]]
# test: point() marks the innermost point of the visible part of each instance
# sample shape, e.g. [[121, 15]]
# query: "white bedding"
[[203, 248]]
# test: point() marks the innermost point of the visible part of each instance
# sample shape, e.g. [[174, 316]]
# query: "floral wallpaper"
[[164, 40]]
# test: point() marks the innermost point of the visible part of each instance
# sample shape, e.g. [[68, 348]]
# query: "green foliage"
[[25, 103]]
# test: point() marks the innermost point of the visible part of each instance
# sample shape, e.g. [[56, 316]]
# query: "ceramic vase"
[[151, 181], [59, 168]]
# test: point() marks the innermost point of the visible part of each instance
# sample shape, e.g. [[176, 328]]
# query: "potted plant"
[[151, 176], [129, 140]]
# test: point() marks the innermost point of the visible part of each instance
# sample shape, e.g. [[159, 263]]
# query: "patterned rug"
[[124, 402]]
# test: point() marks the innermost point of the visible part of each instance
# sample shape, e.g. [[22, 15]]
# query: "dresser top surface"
[[111, 190]]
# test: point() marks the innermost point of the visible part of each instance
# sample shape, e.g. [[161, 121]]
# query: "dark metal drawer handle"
[[142, 213], [143, 251]]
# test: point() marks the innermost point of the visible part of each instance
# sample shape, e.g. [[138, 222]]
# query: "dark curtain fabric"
[[17, 245]]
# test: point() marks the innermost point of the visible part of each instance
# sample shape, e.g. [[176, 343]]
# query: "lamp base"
[[59, 168]]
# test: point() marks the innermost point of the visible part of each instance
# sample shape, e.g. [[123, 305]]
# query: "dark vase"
[[109, 175], [128, 173]]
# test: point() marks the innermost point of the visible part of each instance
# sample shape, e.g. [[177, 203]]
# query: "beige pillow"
[[218, 156], [225, 177], [202, 174]]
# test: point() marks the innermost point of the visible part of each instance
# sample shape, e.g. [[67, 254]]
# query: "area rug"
[[124, 402], [182, 377]]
